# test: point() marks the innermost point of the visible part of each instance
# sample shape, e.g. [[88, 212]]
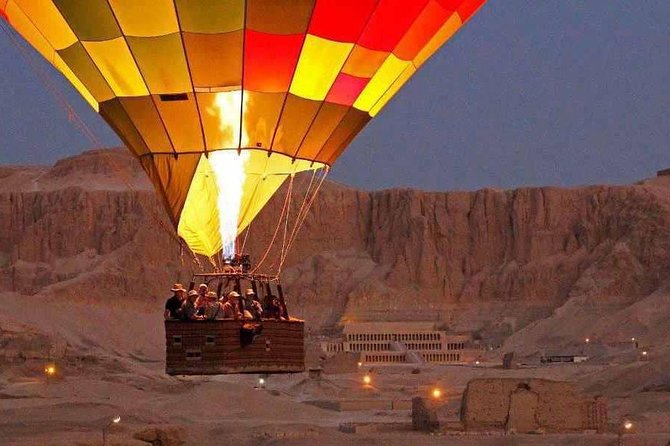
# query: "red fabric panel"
[[341, 20], [3, 15], [465, 8], [346, 89], [425, 27], [270, 60], [468, 8], [390, 22]]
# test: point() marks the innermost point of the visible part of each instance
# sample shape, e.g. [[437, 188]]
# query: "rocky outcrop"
[[530, 406], [490, 260]]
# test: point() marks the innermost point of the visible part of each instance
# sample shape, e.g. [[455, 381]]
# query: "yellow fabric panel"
[[397, 85], [320, 62], [182, 122], [145, 18], [380, 82], [199, 220], [76, 83], [25, 27], [90, 20], [210, 16], [364, 62], [162, 63], [264, 177], [83, 67], [445, 32], [48, 19], [113, 59]]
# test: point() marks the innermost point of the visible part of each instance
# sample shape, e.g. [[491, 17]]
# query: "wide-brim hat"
[[211, 294], [233, 294], [202, 285], [192, 293], [177, 287], [249, 291]]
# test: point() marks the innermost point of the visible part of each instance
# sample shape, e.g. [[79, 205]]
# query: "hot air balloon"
[[222, 100]]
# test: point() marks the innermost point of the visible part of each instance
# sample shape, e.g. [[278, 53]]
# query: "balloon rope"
[[301, 218], [274, 236], [76, 120]]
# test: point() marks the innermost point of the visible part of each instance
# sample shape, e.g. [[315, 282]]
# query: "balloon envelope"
[[222, 100]]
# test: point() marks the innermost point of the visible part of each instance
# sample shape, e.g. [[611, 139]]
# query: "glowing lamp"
[[436, 393], [632, 339], [476, 362], [50, 370], [628, 425], [116, 419], [587, 340], [360, 364], [367, 379]]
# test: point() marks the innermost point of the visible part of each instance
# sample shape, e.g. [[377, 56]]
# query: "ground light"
[[360, 364], [49, 371], [367, 380], [628, 425], [112, 422], [436, 393], [587, 340]]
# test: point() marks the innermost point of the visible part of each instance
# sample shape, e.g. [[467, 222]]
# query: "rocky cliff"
[[489, 261]]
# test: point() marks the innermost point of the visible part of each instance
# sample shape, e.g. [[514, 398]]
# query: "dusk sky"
[[530, 92]]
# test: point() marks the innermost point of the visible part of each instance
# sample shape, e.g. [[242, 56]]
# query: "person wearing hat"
[[213, 309], [255, 306], [188, 310], [201, 302], [173, 304], [231, 309]]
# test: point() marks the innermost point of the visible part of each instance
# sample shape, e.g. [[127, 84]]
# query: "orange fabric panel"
[[295, 119], [172, 178], [279, 16], [261, 116], [352, 123], [363, 62], [323, 126], [426, 25], [144, 114], [182, 122], [215, 60], [115, 115]]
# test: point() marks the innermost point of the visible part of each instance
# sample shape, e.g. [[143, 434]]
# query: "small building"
[[564, 358], [403, 342]]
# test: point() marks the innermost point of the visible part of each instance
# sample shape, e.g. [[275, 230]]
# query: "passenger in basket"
[[213, 309], [201, 302], [231, 309], [255, 306], [188, 310], [173, 304]]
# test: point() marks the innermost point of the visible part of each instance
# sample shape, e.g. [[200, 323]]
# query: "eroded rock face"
[[490, 260]]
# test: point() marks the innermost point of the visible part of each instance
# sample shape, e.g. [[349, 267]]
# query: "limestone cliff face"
[[490, 259]]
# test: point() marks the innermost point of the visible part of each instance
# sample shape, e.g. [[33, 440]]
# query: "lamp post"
[[113, 421]]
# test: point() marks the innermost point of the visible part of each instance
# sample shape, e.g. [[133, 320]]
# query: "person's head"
[[202, 289], [211, 296], [249, 294], [192, 295], [233, 297], [179, 290]]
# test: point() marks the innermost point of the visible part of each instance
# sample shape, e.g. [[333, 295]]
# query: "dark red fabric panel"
[[3, 15], [341, 20], [390, 22], [346, 89], [270, 60]]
